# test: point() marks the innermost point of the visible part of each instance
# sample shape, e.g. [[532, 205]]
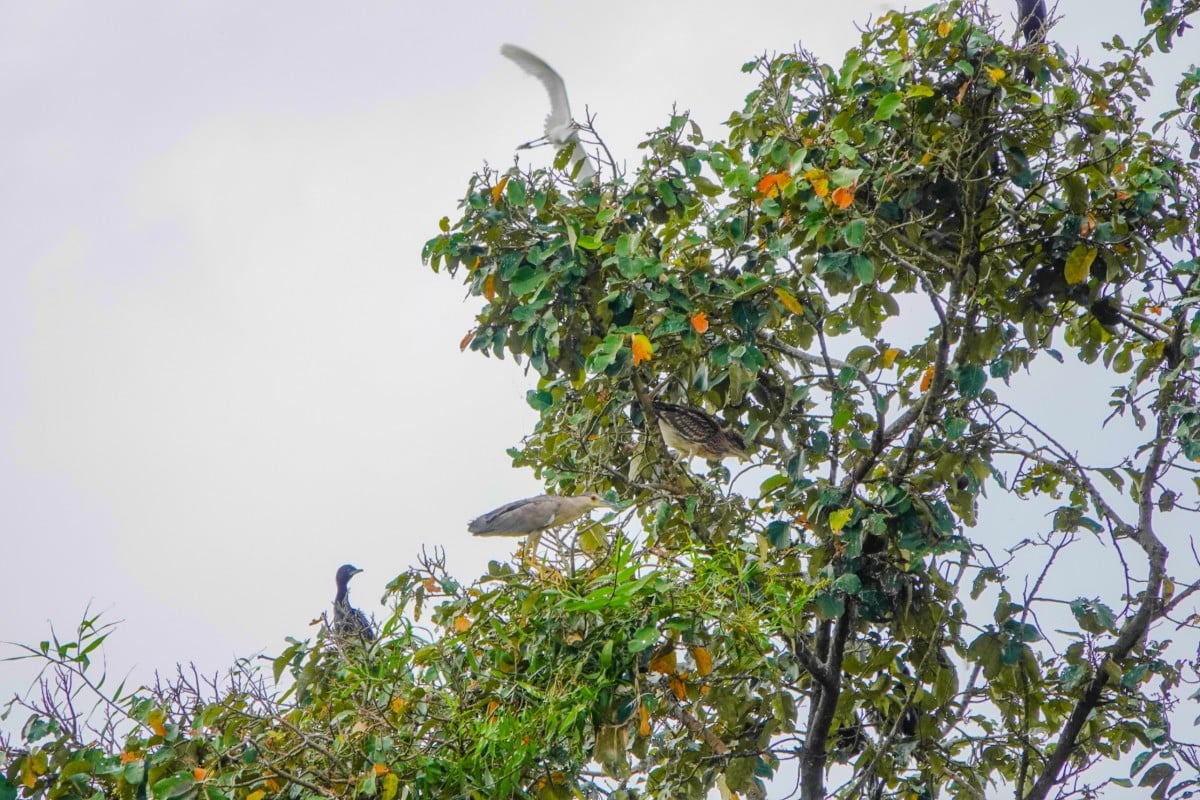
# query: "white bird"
[[561, 129]]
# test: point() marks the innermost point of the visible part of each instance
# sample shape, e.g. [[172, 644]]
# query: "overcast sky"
[[224, 370]]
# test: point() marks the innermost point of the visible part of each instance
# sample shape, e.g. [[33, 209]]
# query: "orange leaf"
[[1155, 310], [498, 189], [642, 349], [381, 769], [273, 784], [664, 660], [772, 183], [703, 660], [889, 357], [466, 340], [199, 773], [678, 687], [925, 159], [843, 197], [643, 721], [398, 705], [789, 301], [431, 585], [489, 287], [699, 321], [927, 379], [127, 757], [1088, 225], [474, 265], [461, 624]]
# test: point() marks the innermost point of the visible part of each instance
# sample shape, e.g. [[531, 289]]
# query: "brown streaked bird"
[[536, 514], [696, 433]]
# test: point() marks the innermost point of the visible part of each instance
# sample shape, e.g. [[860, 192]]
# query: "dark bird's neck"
[[342, 593]]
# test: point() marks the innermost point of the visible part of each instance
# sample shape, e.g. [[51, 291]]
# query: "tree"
[[864, 279]]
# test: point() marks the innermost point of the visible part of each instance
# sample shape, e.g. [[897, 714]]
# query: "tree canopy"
[[869, 279]]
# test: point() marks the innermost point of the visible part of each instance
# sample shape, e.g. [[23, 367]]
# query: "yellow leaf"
[[927, 379], [391, 785], [995, 73], [273, 784], [199, 773], [699, 321], [498, 189], [461, 624], [1079, 262], [474, 265], [843, 197], [789, 301], [889, 357], [663, 661], [678, 687], [398, 705], [819, 179], [155, 721], [257, 794], [643, 721], [642, 349], [925, 159], [703, 660], [839, 518], [489, 287], [944, 29]]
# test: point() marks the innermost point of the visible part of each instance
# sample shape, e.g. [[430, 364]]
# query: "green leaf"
[[1079, 263], [855, 233], [889, 105], [848, 583], [645, 637]]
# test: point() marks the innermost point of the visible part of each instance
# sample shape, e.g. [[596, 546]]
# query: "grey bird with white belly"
[[536, 514]]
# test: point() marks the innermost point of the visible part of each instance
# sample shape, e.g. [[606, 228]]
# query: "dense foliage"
[[871, 278]]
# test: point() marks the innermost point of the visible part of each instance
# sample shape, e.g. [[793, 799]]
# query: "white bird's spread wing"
[[560, 128], [558, 121]]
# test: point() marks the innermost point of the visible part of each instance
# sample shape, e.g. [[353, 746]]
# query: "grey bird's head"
[[345, 573]]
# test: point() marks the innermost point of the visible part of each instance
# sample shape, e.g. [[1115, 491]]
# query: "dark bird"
[[349, 623], [695, 433], [1031, 17]]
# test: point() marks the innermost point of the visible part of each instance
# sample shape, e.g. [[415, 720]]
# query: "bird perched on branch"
[[695, 433], [349, 623], [533, 515], [561, 129], [1031, 17]]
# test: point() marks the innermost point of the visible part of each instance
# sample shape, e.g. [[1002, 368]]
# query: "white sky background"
[[224, 370]]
